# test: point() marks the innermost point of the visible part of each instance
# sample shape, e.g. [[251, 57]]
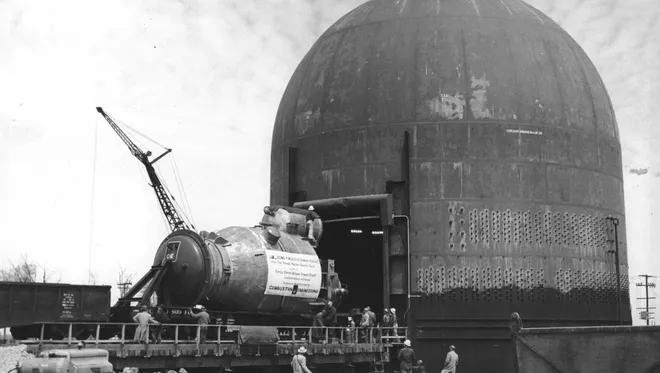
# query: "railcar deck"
[[228, 348]]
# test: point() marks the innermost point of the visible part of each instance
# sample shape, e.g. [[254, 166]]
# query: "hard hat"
[[310, 208], [406, 342], [302, 350]]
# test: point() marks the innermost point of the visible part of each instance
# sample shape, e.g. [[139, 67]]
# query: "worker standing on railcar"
[[387, 323], [310, 217], [395, 324], [350, 335], [318, 333], [143, 318], [162, 318], [203, 320], [330, 318], [367, 321]]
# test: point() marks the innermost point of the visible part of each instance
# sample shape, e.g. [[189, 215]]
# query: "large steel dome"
[[501, 131]]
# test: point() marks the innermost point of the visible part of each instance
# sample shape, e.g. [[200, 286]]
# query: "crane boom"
[[171, 214]]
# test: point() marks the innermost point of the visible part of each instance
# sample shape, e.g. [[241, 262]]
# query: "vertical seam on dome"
[[467, 112], [514, 62], [415, 80], [553, 63], [585, 83], [587, 87], [304, 71], [327, 82]]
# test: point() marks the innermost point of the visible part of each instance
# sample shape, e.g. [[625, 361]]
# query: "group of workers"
[[326, 317], [406, 357], [388, 324], [144, 318], [409, 364]]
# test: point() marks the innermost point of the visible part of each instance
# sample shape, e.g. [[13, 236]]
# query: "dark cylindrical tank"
[[511, 167], [257, 269]]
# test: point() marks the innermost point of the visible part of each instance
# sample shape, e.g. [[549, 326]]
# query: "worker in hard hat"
[[311, 215], [143, 318], [395, 323], [299, 362], [203, 320], [406, 357]]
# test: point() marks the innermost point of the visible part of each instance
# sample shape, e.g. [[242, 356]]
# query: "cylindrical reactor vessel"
[[512, 167], [260, 270]]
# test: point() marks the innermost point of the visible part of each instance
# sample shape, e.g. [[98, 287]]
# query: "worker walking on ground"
[[406, 357], [143, 318], [451, 361], [299, 362], [203, 320]]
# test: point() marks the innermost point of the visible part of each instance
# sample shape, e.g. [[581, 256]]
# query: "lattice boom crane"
[[173, 218]]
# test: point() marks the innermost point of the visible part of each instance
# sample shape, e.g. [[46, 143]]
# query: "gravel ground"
[[9, 355]]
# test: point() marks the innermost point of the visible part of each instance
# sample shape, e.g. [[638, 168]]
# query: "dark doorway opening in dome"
[[356, 245]]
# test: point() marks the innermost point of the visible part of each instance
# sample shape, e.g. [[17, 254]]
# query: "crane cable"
[[182, 190], [92, 202], [184, 208], [178, 206], [133, 130]]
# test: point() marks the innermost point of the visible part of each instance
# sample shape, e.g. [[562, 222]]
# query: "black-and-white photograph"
[[357, 186]]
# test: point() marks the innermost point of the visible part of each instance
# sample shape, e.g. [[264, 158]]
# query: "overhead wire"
[[133, 130], [92, 203], [182, 208], [182, 190], [175, 202]]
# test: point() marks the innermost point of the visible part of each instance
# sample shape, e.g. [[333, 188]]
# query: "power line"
[[91, 204]]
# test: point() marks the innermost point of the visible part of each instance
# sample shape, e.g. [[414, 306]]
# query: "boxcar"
[[23, 304]]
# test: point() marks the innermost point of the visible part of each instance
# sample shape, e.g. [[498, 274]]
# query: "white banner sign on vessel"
[[293, 275]]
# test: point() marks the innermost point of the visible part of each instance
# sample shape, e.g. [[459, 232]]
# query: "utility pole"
[[615, 224], [646, 314], [123, 288]]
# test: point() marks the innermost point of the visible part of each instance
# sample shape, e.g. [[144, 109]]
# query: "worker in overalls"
[[143, 318], [310, 217]]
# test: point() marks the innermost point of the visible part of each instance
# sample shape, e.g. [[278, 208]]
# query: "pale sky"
[[205, 78]]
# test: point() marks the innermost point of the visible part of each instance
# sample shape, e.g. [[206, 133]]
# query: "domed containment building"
[[464, 156]]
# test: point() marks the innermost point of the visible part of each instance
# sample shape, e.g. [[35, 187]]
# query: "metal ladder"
[[378, 364]]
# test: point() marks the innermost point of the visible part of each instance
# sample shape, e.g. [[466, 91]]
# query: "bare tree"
[[25, 271], [92, 280]]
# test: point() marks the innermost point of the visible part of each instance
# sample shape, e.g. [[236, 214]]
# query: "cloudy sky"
[[205, 78]]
